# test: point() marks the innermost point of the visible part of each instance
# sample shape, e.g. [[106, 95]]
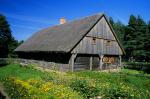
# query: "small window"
[[108, 43], [94, 41]]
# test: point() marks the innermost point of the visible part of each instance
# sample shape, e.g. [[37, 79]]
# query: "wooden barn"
[[89, 43]]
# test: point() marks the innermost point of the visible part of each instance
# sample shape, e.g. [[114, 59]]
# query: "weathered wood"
[[91, 41], [91, 63], [95, 63], [102, 34], [102, 30], [72, 61], [82, 61], [101, 61], [120, 59], [99, 41]]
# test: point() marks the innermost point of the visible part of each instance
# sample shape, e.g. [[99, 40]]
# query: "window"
[[108, 43], [94, 41]]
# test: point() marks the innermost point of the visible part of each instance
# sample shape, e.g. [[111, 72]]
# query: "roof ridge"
[[100, 14], [56, 38]]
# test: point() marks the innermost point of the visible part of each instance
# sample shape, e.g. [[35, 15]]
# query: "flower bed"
[[28, 83], [35, 89]]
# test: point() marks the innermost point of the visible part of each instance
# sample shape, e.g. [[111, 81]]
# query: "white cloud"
[[31, 19]]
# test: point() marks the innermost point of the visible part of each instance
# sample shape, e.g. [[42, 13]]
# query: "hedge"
[[143, 66]]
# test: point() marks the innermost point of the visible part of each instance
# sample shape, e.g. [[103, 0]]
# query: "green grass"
[[125, 83], [20, 72], [132, 77]]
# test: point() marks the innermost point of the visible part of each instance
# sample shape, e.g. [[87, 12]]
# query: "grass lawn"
[[28, 82]]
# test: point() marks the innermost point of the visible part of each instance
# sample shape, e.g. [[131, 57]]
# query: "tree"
[[134, 37], [111, 21], [147, 42], [5, 36], [119, 28], [130, 37], [7, 41], [132, 21], [141, 27]]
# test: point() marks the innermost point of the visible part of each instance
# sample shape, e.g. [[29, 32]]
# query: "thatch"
[[60, 38]]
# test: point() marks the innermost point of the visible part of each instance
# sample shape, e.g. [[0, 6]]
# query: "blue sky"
[[28, 16]]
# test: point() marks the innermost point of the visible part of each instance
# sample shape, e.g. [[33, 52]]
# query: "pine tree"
[[132, 21], [140, 27], [7, 42], [111, 21], [119, 28], [134, 37], [147, 42], [130, 37]]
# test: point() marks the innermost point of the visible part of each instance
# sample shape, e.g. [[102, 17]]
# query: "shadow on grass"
[[2, 96], [3, 62], [2, 65], [145, 70]]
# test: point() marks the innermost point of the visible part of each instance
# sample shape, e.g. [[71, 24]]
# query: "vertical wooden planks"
[[120, 59], [102, 33], [101, 61], [73, 56], [91, 62]]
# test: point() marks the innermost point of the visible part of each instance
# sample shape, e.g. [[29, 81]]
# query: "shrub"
[[36, 89], [3, 61], [17, 89], [60, 91], [28, 83], [47, 77], [116, 93], [138, 66], [82, 86]]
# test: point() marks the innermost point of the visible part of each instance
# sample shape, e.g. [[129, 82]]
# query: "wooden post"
[[72, 61], [101, 61], [91, 62], [120, 59]]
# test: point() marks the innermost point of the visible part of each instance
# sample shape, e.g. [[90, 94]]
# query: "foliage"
[[5, 36], [37, 89], [84, 84], [59, 91], [7, 41], [24, 89], [126, 83], [3, 62], [142, 66], [135, 38]]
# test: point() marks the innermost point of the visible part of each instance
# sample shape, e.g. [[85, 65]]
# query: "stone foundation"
[[44, 64]]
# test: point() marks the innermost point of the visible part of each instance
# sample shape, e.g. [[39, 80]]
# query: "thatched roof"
[[61, 37]]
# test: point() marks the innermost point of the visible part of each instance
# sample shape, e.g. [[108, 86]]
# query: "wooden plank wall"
[[82, 62], [103, 34]]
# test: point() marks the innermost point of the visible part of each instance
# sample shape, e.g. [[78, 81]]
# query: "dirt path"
[[3, 94]]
